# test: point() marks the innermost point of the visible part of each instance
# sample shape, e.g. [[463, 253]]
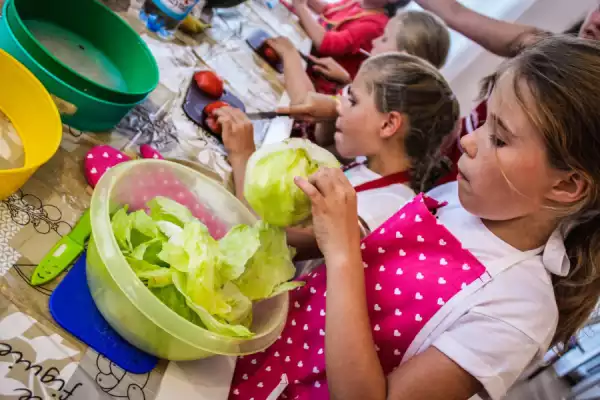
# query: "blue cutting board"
[[73, 308]]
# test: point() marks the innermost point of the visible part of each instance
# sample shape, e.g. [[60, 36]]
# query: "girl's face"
[[504, 173], [386, 42], [359, 122]]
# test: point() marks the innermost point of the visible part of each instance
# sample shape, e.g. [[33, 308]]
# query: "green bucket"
[[86, 45]]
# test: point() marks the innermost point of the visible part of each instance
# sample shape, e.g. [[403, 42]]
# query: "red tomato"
[[209, 83], [271, 55], [210, 120]]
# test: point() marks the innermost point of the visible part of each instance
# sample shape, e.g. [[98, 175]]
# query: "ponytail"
[[577, 293], [392, 8]]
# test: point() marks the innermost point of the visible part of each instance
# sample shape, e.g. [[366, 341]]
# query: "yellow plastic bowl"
[[29, 107]]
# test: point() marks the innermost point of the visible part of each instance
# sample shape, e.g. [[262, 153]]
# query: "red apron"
[[412, 266]]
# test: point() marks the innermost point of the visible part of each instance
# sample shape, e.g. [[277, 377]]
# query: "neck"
[[387, 163], [525, 233]]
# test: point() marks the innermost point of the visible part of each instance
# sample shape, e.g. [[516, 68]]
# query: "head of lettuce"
[[269, 185]]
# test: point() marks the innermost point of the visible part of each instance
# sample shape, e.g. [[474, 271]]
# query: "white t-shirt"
[[377, 205], [495, 333]]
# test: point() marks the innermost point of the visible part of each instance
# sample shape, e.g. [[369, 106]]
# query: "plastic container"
[[77, 109], [164, 16], [25, 101], [128, 306], [87, 46]]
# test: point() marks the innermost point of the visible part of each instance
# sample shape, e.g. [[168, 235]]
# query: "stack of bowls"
[[95, 65]]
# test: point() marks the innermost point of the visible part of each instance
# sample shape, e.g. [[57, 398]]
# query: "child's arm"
[[358, 374], [331, 70], [313, 29], [316, 107], [296, 80], [505, 39]]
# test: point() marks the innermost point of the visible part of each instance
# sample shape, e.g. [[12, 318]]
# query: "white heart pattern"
[[293, 322], [420, 276], [300, 364], [403, 216], [399, 235], [464, 285], [365, 265], [377, 328], [268, 368], [297, 305], [322, 313], [313, 290], [418, 218], [382, 231], [90, 156], [119, 156], [321, 332], [441, 302], [443, 261], [422, 257], [397, 292], [289, 341], [306, 347], [363, 246], [260, 384], [253, 361], [309, 308], [442, 242], [402, 253], [381, 250], [419, 296], [245, 377], [288, 359], [378, 287], [93, 171], [466, 267], [276, 354], [442, 281], [382, 268], [377, 308], [399, 271], [398, 312], [236, 392], [397, 333], [397, 352], [315, 370], [418, 318], [317, 384], [320, 351], [105, 155], [420, 239]]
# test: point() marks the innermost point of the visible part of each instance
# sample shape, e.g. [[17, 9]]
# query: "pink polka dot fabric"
[[99, 160], [412, 266]]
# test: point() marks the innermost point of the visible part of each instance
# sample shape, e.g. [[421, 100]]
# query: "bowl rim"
[[152, 63], [100, 217], [57, 138], [49, 75]]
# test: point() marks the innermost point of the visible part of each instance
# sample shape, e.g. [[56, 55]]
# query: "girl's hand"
[[282, 46], [330, 69], [334, 212], [299, 3], [315, 107], [237, 132]]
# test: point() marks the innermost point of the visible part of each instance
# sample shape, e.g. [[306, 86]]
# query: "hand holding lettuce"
[[269, 183], [210, 283]]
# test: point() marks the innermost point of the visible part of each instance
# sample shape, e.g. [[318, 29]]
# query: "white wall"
[[468, 62]]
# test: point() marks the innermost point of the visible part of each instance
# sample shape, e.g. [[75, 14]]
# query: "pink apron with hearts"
[[413, 266]]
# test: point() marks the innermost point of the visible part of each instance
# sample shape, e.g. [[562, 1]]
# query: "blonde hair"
[[563, 75], [411, 86], [424, 35]]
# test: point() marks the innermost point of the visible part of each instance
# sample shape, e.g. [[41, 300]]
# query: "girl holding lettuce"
[[398, 113], [456, 296]]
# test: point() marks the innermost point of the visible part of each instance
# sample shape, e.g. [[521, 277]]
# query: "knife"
[[265, 115], [64, 252]]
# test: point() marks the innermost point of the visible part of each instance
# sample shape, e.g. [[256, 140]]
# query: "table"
[[39, 360]]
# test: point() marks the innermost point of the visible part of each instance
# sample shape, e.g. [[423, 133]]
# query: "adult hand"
[[282, 46], [330, 69], [237, 131], [334, 213], [315, 107]]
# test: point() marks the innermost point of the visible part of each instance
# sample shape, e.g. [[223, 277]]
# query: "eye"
[[496, 141]]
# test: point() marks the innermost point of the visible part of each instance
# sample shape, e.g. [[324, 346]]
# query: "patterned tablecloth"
[[39, 360]]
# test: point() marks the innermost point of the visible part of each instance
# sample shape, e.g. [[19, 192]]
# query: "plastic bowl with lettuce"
[[162, 281], [269, 184]]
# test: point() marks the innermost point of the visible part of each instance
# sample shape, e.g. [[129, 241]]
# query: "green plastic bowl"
[[90, 114], [120, 67], [129, 306]]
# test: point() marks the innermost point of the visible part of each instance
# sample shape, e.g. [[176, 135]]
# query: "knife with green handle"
[[64, 252]]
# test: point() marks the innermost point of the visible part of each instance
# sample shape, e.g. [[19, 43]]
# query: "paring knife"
[[64, 252], [265, 115]]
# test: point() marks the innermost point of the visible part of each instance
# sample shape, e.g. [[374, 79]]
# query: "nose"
[[469, 144]]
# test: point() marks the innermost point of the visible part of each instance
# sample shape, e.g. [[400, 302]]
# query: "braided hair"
[[411, 86]]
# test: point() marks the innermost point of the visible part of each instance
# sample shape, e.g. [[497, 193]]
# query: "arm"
[[313, 29], [317, 6], [502, 38], [296, 80]]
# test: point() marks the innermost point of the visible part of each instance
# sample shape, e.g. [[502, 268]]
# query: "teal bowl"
[[86, 45], [78, 109]]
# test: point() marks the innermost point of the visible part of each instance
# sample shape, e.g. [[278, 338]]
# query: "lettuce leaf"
[[237, 247], [165, 209]]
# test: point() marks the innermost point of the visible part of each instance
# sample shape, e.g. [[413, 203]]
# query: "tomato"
[[209, 119], [271, 55], [209, 83]]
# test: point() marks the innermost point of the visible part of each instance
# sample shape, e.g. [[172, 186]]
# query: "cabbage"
[[210, 283], [269, 184]]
